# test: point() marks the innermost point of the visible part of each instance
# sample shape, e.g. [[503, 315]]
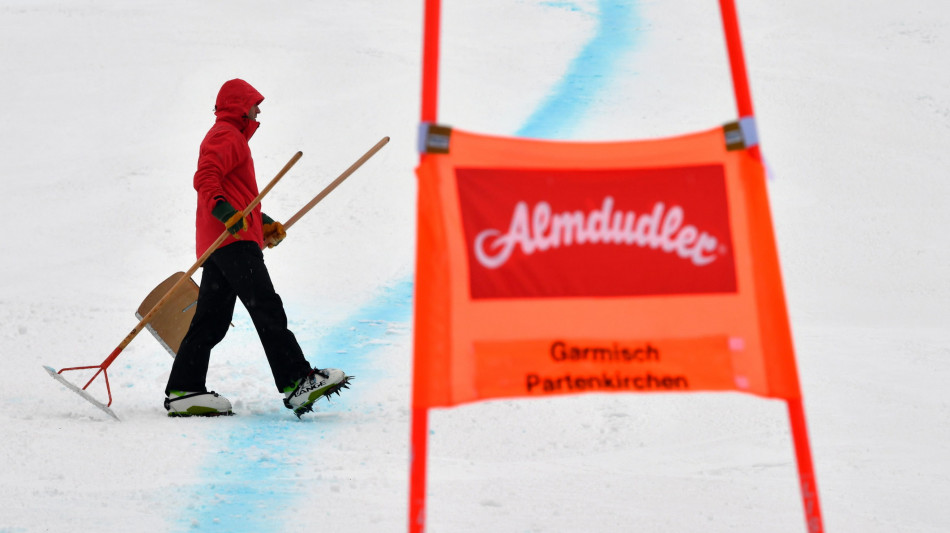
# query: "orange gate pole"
[[796, 411]]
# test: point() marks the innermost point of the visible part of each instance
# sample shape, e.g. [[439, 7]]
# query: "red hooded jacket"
[[225, 167]]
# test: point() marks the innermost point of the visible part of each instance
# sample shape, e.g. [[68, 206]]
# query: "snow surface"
[[104, 104]]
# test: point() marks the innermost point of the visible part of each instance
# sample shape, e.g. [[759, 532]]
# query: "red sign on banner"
[[595, 233]]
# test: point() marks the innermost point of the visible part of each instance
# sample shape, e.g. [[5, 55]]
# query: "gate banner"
[[550, 267]]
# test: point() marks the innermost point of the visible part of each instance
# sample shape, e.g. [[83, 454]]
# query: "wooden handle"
[[333, 185]]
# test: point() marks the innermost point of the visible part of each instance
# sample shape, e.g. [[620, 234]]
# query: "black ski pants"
[[236, 271]]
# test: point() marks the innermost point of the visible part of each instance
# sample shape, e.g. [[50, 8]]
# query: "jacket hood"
[[233, 102]]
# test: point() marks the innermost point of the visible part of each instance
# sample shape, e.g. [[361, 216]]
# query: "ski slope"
[[105, 103]]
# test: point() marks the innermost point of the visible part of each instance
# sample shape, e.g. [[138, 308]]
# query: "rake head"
[[82, 391]]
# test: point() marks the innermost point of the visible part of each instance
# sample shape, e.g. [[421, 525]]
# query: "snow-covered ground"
[[104, 103]]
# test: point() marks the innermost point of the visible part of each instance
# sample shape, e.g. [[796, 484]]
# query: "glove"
[[273, 231], [230, 217]]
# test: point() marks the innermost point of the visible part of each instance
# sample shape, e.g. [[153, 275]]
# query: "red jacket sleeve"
[[219, 154]]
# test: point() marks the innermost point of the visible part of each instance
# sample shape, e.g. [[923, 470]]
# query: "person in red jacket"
[[226, 185]]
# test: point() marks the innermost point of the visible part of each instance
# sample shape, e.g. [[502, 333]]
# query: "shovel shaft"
[[333, 185]]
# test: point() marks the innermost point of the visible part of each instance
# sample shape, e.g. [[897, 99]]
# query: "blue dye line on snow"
[[251, 487], [254, 489], [348, 345], [588, 74]]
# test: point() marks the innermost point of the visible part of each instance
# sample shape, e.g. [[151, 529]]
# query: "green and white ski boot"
[[317, 383], [179, 403]]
